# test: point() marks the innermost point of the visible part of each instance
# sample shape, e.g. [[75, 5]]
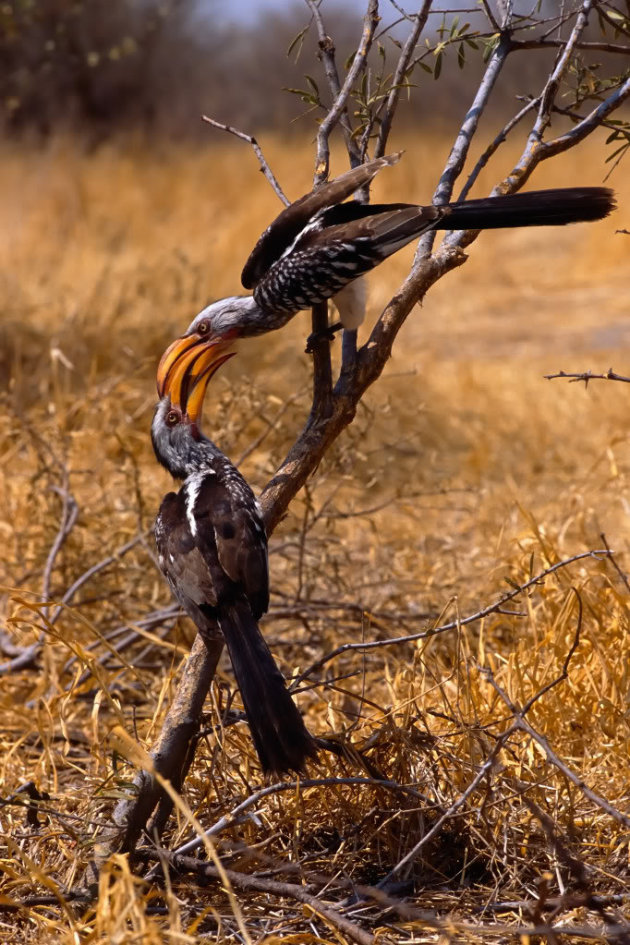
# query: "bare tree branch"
[[459, 151], [174, 750]]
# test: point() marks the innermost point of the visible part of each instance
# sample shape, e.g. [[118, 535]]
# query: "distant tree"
[[78, 61], [99, 66], [107, 65]]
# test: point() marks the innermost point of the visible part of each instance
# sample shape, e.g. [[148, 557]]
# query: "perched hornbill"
[[212, 549], [319, 247]]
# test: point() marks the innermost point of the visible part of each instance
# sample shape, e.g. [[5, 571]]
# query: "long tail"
[[280, 736], [533, 208]]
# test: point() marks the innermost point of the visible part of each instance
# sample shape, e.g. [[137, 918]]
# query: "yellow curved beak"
[[171, 357], [185, 369], [205, 366]]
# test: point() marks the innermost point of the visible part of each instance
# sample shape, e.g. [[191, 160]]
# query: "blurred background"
[[97, 67]]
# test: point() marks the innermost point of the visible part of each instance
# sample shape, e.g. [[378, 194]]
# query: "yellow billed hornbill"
[[319, 247], [212, 549]]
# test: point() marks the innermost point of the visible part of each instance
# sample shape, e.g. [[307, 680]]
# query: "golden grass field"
[[464, 472]]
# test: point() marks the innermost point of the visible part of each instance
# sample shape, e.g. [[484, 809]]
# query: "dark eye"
[[172, 418], [203, 327]]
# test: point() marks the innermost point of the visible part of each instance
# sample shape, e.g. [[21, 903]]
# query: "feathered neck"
[[182, 449]]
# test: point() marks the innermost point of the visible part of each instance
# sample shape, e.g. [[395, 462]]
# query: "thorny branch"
[[587, 376]]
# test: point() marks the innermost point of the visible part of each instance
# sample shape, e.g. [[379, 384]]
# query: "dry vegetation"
[[464, 470]]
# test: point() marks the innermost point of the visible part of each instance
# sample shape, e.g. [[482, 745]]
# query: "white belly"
[[351, 303]]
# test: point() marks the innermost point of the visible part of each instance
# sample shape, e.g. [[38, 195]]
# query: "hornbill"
[[212, 548], [319, 247]]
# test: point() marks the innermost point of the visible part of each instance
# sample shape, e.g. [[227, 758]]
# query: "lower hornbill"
[[212, 548], [319, 247]]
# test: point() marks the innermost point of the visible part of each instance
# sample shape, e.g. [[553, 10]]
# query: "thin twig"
[[613, 561], [564, 673], [264, 167], [228, 819], [494, 146], [419, 20], [523, 725], [557, 762], [454, 624], [69, 515]]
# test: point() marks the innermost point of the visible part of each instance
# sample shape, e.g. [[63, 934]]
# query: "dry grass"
[[465, 468]]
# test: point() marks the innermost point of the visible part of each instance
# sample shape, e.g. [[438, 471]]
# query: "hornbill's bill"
[[319, 247], [212, 549]]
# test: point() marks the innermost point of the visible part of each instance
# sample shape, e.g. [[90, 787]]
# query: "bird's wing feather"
[[286, 227], [385, 230], [326, 258], [180, 558], [236, 538]]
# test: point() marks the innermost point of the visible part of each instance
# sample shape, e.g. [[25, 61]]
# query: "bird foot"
[[326, 334]]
